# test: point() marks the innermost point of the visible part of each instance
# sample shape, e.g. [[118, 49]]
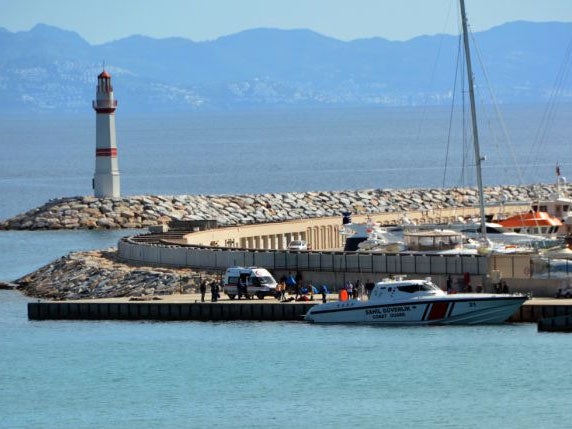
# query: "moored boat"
[[533, 222], [549, 217], [498, 234], [418, 302], [433, 240]]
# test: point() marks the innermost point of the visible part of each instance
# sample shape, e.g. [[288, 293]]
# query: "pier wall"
[[219, 259], [256, 311]]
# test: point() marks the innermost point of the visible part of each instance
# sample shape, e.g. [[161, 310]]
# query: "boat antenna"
[[478, 158]]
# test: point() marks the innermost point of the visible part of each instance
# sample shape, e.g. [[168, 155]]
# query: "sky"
[[100, 21]]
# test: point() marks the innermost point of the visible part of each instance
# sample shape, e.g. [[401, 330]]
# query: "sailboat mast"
[[478, 158]]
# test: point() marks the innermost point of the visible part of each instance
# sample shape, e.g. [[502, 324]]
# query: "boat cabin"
[[392, 289], [534, 222], [437, 239], [558, 207]]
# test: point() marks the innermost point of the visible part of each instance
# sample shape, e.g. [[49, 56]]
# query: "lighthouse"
[[106, 177]]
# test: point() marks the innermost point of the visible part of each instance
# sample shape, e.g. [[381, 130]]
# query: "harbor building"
[[106, 177]]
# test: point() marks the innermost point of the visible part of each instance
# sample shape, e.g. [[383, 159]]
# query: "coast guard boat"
[[418, 302]]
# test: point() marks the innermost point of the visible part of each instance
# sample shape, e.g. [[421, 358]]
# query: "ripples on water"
[[148, 375], [24, 251], [278, 151], [242, 374]]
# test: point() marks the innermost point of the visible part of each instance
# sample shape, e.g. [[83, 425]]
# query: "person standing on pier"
[[242, 289], [369, 287], [324, 292], [214, 291], [349, 289], [203, 290], [449, 284]]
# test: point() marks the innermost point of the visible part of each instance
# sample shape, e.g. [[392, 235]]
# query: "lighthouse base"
[[106, 185]]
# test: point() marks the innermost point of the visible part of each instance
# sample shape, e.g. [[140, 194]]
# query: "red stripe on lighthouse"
[[108, 151]]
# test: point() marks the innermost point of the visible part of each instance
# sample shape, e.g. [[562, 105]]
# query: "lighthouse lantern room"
[[106, 177]]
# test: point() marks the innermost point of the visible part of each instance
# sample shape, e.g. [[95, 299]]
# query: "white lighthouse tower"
[[106, 178]]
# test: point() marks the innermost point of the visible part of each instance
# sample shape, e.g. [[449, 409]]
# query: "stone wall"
[[145, 211]]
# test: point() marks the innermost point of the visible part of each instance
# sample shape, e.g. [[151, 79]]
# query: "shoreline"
[[99, 274], [143, 211], [95, 285]]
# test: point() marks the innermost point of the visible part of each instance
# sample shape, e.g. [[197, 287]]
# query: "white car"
[[298, 245]]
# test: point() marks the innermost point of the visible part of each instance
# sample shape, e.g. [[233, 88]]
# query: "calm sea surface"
[[138, 375], [259, 375]]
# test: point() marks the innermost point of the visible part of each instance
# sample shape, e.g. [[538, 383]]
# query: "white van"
[[259, 282]]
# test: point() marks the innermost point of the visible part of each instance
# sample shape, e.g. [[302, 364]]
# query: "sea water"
[[278, 151], [87, 374]]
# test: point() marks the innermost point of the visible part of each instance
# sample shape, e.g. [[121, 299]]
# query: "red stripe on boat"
[[438, 311]]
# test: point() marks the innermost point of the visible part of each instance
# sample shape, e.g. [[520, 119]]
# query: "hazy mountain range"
[[49, 69]]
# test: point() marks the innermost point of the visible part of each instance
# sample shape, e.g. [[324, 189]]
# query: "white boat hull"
[[458, 309]]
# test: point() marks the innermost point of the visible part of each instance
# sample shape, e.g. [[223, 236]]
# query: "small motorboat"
[[418, 302]]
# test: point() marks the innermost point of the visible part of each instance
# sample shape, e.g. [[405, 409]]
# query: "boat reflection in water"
[[418, 302]]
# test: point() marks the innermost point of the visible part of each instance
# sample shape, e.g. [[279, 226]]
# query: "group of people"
[[215, 290], [463, 285], [302, 292], [501, 287], [294, 286], [359, 290]]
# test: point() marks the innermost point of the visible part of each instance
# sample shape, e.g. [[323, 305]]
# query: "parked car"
[[298, 245]]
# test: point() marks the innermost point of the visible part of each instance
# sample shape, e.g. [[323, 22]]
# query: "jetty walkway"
[[187, 307]]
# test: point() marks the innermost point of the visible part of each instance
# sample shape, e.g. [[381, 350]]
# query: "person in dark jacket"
[[214, 291], [241, 289], [449, 284], [324, 292], [203, 290], [369, 285], [298, 278]]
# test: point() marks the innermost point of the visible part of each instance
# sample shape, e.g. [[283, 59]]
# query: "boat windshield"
[[421, 287]]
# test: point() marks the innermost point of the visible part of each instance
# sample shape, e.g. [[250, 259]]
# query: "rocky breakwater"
[[98, 274], [145, 211]]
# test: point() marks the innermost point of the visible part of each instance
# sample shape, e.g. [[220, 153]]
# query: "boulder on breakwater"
[[230, 210], [98, 274]]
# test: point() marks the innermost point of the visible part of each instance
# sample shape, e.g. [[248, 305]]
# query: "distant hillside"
[[47, 68]]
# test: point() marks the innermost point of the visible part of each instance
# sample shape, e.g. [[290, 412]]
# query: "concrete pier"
[[556, 324], [212, 312], [532, 311]]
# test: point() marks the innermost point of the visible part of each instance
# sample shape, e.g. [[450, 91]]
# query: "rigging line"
[[464, 146], [548, 114], [498, 113], [466, 149], [434, 68], [453, 99]]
